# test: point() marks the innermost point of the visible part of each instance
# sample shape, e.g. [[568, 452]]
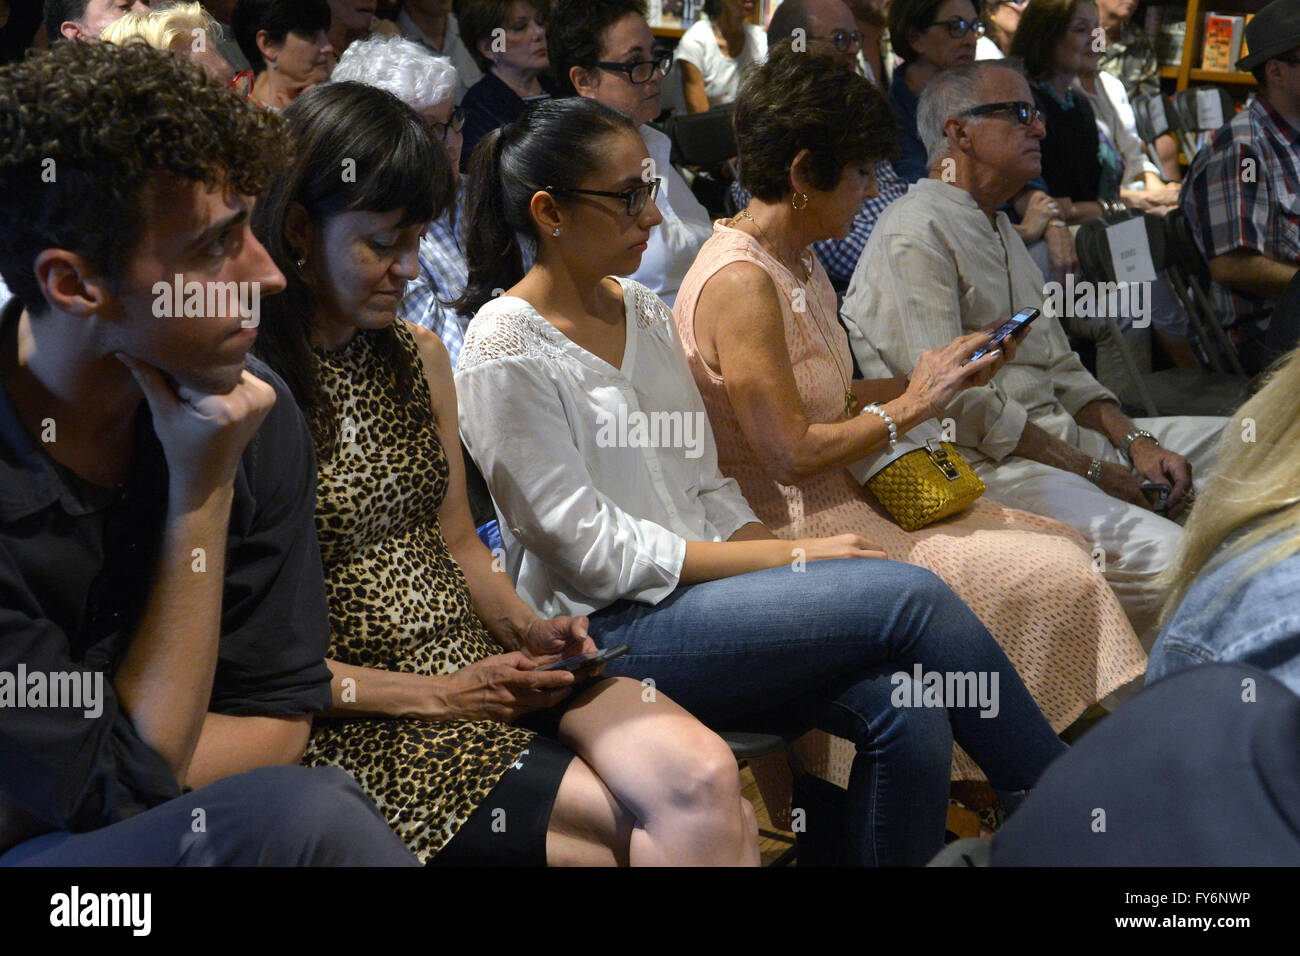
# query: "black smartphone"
[[586, 662], [1011, 326], [1157, 495]]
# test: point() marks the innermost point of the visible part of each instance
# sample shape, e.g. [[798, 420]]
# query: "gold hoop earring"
[[794, 201]]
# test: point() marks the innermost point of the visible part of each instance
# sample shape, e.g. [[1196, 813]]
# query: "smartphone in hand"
[[1010, 327], [585, 663]]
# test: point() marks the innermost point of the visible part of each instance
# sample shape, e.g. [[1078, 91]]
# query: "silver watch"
[[1133, 436]]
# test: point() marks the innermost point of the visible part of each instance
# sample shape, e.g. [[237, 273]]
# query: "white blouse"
[[722, 74], [675, 242], [600, 475]]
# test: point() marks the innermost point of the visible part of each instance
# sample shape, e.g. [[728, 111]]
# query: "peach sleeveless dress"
[[1028, 578]]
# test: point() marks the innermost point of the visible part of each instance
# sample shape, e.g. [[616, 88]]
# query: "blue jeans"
[[272, 816], [834, 645]]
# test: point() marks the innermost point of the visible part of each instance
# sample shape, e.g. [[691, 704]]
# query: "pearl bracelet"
[[875, 408]]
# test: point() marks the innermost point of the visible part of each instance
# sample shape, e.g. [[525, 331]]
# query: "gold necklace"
[[850, 400]]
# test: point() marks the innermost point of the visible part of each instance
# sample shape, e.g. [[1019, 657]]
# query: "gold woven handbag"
[[925, 485]]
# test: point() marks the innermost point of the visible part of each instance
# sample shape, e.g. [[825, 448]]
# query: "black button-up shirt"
[[76, 566]]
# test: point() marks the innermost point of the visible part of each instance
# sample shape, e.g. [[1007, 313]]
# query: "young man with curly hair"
[[162, 608]]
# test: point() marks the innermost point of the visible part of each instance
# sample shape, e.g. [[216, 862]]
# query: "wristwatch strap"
[[1133, 436]]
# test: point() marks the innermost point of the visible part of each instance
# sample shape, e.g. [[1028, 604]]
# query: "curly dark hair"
[[574, 32], [397, 165], [478, 18], [905, 15], [796, 101], [86, 128]]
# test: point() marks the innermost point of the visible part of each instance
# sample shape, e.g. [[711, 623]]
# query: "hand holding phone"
[[1157, 495], [585, 663], [1010, 327]]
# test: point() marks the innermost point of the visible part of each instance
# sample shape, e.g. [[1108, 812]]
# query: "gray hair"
[[948, 94], [399, 66]]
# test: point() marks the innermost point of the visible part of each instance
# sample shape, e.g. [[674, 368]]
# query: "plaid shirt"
[[839, 257], [1131, 59], [1243, 192], [444, 273], [443, 276]]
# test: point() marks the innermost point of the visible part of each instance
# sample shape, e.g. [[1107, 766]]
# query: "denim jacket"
[[1225, 617]]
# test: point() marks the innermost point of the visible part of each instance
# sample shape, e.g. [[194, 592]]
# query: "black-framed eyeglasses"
[[843, 40], [958, 27], [636, 197], [641, 71], [1026, 114], [457, 122]]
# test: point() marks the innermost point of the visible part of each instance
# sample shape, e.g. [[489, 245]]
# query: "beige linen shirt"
[[936, 268]]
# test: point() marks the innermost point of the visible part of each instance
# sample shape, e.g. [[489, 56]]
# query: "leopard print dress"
[[398, 601]]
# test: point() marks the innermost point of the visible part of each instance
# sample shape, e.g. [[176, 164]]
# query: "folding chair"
[[1154, 118], [1201, 110], [1190, 276], [1170, 391]]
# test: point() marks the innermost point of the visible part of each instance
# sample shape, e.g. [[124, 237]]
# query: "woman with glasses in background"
[[930, 36], [507, 38], [187, 30], [427, 84], [287, 44], [717, 51], [603, 50]]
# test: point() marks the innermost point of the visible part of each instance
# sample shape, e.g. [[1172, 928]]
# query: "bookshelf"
[[1188, 71]]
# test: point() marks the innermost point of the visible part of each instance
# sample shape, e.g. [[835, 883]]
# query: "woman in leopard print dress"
[[434, 655]]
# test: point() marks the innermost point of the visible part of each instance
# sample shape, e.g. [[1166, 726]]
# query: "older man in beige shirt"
[[1044, 435]]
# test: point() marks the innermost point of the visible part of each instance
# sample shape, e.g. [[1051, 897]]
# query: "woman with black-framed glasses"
[[507, 38], [930, 36], [604, 50]]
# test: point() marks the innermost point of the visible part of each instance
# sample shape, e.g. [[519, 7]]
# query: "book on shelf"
[[1223, 34], [1245, 50], [1169, 41]]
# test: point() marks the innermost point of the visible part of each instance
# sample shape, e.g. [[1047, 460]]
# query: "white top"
[[600, 475], [1116, 121], [676, 241], [453, 47], [936, 268], [987, 49], [722, 74]]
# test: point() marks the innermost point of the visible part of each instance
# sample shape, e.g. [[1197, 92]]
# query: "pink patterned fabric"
[[1028, 578]]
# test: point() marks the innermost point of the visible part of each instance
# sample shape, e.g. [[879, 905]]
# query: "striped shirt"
[[1243, 192]]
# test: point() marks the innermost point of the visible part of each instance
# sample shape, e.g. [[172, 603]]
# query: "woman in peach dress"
[[774, 369]]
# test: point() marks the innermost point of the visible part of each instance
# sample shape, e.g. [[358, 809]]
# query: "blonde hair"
[[1254, 489], [163, 26]]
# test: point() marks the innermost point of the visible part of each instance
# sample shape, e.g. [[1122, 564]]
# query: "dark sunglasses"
[[643, 70], [1026, 114], [636, 198]]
